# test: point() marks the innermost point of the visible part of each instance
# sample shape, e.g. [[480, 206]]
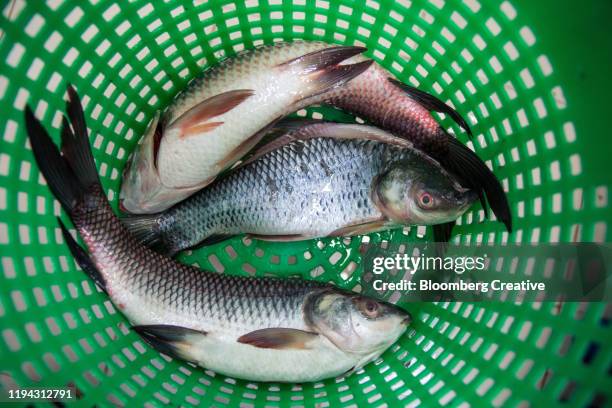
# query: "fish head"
[[420, 191], [355, 323]]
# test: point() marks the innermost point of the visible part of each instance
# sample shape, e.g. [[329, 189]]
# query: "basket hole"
[[524, 369], [53, 41], [568, 391], [566, 344], [527, 36], [544, 337], [502, 397], [485, 386], [111, 12], [11, 340], [459, 20], [74, 16], [590, 352], [30, 371], [559, 97], [493, 26]]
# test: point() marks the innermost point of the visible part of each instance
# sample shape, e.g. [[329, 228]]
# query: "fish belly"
[[321, 360], [185, 161]]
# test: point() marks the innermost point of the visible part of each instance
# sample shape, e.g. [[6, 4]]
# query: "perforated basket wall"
[[532, 77]]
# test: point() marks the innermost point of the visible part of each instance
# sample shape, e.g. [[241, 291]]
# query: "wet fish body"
[[325, 181], [253, 328], [405, 111], [218, 118], [375, 95]]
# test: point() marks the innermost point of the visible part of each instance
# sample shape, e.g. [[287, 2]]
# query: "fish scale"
[[289, 188], [253, 328], [223, 113], [185, 291], [227, 74]]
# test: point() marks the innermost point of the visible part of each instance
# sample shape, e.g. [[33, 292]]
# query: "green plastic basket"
[[531, 76]]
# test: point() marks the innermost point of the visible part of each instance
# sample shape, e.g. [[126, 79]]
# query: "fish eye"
[[369, 308], [426, 200]]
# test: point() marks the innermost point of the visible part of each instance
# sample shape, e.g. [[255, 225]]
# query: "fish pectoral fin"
[[82, 258], [173, 341], [279, 238], [199, 129], [278, 338], [430, 102], [194, 121], [361, 228]]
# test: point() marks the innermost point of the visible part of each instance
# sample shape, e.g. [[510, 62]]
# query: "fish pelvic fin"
[[174, 341], [82, 258], [475, 174], [278, 338], [72, 173], [430, 102]]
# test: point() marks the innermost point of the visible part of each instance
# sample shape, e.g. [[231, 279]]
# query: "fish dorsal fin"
[[195, 119], [279, 338], [304, 129], [430, 102]]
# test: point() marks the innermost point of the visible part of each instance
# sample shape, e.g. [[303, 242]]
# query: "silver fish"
[[220, 116], [252, 328], [317, 179], [403, 110]]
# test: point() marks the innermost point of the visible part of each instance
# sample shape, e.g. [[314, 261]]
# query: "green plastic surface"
[[532, 77]]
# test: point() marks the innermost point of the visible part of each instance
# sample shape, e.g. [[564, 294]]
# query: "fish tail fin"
[[475, 174], [337, 75], [71, 173], [322, 68]]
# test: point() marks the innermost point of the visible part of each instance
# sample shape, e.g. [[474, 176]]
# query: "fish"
[[379, 97], [222, 114], [258, 329], [313, 179]]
